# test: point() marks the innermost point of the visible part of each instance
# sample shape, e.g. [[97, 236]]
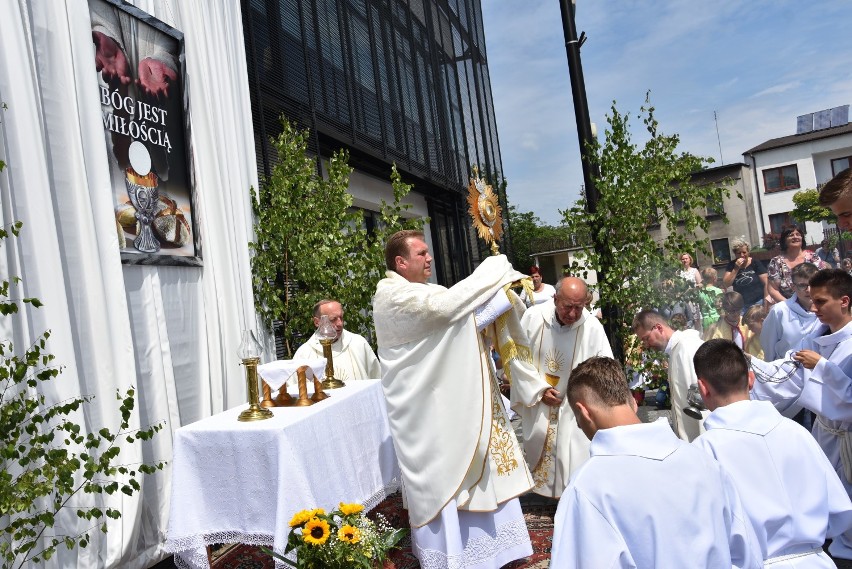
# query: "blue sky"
[[759, 64]]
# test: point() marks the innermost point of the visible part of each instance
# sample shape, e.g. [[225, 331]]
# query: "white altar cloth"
[[236, 482]]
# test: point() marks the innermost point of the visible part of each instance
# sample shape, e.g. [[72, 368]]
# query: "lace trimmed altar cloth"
[[239, 482]]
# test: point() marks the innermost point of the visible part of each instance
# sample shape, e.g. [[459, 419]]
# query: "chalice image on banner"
[[141, 183]]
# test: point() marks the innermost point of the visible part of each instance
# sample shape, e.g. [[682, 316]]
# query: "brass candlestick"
[[330, 381], [249, 351], [255, 412], [303, 400], [327, 334]]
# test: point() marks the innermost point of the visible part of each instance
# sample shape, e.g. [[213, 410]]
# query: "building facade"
[[806, 160], [392, 82], [738, 208]]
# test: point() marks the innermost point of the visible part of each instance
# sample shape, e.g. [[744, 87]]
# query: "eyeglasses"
[[801, 286]]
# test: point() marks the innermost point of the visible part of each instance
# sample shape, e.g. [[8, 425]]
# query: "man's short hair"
[[836, 188], [600, 379], [837, 281], [646, 319], [317, 312], [804, 271], [709, 274], [732, 301], [397, 246], [722, 364]]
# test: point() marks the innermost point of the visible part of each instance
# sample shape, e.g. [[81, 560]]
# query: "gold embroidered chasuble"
[[449, 428], [553, 443]]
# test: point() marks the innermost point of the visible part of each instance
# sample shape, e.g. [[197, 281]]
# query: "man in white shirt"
[[790, 321], [603, 521], [462, 467], [787, 486], [679, 345], [562, 333], [822, 382], [351, 354]]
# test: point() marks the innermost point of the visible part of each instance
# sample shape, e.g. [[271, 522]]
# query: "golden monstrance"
[[485, 211]]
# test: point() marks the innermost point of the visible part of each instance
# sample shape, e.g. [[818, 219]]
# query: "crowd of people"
[[743, 486]]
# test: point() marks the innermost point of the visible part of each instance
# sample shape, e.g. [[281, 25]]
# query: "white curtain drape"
[[172, 332]]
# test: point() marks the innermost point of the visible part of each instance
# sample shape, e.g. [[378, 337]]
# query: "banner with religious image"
[[141, 86]]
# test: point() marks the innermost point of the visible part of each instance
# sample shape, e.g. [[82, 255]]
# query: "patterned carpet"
[[537, 512]]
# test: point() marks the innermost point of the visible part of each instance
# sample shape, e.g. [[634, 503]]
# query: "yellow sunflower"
[[315, 532], [301, 517], [349, 509], [349, 534]]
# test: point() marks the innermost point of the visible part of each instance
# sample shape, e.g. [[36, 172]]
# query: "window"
[[840, 164], [714, 212], [721, 250], [780, 221], [779, 179], [677, 205]]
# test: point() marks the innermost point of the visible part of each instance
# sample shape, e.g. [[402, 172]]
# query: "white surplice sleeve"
[[583, 538], [828, 392], [784, 395]]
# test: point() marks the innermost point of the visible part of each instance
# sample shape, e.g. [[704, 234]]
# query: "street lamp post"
[[590, 169]]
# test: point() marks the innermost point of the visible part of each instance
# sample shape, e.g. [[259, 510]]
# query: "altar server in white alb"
[[352, 355], [823, 381], [462, 467], [562, 333], [788, 488], [679, 345], [605, 520], [790, 321]]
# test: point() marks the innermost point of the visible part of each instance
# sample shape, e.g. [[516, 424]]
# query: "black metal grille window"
[[392, 81]]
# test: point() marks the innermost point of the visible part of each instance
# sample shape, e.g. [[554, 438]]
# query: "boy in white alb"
[[788, 488], [602, 521]]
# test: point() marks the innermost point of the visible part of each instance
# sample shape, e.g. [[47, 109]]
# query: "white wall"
[[813, 161]]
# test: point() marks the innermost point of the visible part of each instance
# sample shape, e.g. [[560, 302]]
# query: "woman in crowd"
[[781, 267], [745, 274], [846, 265], [691, 275], [541, 292]]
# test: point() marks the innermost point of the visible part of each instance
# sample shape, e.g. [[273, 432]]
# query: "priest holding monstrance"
[[461, 464]]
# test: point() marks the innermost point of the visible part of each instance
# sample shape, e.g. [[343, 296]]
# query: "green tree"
[[807, 207], [310, 244], [530, 234], [47, 460], [639, 185]]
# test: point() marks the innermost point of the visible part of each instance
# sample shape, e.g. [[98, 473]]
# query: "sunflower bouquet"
[[343, 538]]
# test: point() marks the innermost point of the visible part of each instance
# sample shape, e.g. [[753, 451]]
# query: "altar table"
[[236, 482]]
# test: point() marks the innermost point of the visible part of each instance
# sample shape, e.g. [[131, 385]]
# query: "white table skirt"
[[236, 482]]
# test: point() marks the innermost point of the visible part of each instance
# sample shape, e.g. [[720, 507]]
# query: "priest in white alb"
[[562, 334], [462, 467], [352, 355], [679, 345]]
